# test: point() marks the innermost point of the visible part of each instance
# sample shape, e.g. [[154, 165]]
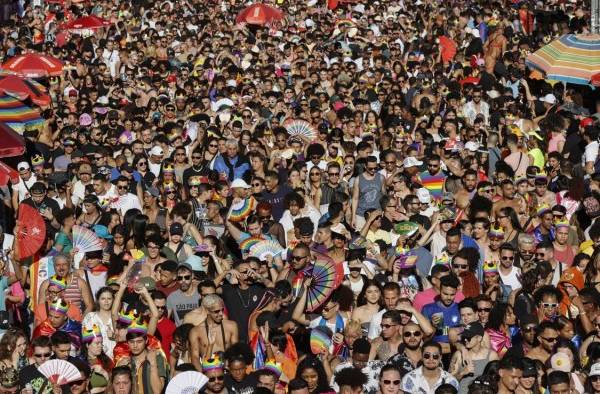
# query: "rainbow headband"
[[168, 169], [138, 327], [88, 335], [57, 281], [542, 209], [562, 223], [126, 318], [490, 268], [274, 367], [212, 364], [59, 306]]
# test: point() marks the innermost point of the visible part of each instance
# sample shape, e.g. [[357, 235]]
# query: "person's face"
[[431, 357], [121, 384], [137, 345], [526, 251], [153, 250], [105, 301], [509, 318], [447, 295], [310, 376], [452, 244], [509, 379], [299, 259], [412, 336], [237, 369], [528, 333], [56, 319], [468, 315], [389, 382], [389, 329], [507, 257], [562, 235], [595, 382], [215, 381], [460, 265], [470, 182], [562, 388], [184, 278], [372, 294], [548, 339], [390, 299], [267, 381], [215, 312], [42, 354], [483, 311], [122, 188], [549, 305], [95, 348], [547, 221], [161, 305], [78, 386], [508, 190], [330, 310]]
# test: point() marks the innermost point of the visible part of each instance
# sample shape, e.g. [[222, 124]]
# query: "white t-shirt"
[[591, 152], [154, 168], [23, 187], [127, 202], [512, 279], [78, 192]]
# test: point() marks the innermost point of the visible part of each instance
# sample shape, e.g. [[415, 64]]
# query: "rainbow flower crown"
[[212, 364], [273, 366], [442, 259], [88, 335], [490, 267], [138, 326], [496, 232], [57, 281], [542, 209], [194, 181], [59, 306], [562, 223]]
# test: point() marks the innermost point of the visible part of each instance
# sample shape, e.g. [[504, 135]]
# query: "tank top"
[[73, 292], [538, 158], [96, 282], [369, 193], [478, 366], [566, 256]]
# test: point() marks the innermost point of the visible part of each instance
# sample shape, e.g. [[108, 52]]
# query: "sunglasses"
[[44, 355], [488, 310], [394, 382], [409, 334], [549, 304], [435, 356], [184, 277], [553, 339], [386, 326], [298, 258], [507, 258], [215, 378]]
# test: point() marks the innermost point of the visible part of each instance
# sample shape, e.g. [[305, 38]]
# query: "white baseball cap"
[[595, 370], [411, 161], [156, 151], [22, 166], [240, 183], [549, 98], [424, 195]]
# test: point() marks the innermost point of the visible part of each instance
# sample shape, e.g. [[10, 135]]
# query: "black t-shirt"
[[240, 304], [246, 386], [190, 172]]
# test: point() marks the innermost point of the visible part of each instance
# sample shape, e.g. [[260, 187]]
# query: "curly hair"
[[8, 343]]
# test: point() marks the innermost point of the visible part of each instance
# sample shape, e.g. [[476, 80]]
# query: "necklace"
[[244, 304]]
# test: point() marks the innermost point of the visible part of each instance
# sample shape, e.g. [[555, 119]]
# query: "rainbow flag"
[[433, 183], [260, 351]]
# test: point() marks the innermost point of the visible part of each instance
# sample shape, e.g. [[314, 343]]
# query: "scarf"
[[339, 323]]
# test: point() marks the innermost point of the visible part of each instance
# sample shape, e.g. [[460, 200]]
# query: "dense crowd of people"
[[430, 204]]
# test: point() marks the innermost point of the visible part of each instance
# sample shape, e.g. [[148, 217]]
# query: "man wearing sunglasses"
[[42, 352], [214, 370], [547, 335], [186, 298], [409, 354], [428, 377]]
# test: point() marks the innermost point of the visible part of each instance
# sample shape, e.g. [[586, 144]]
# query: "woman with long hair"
[[592, 271], [140, 164], [508, 219], [101, 317], [311, 370], [13, 347], [501, 319], [137, 236], [369, 302], [92, 352]]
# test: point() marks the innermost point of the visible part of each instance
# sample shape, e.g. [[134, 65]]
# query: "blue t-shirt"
[[451, 318]]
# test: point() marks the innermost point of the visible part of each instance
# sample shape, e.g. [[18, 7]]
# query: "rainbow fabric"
[[562, 223], [319, 340], [542, 209], [496, 232], [260, 351], [246, 244], [442, 259], [59, 306], [88, 335], [273, 366], [168, 169], [212, 364], [194, 181], [126, 318], [137, 326], [433, 183], [57, 281]]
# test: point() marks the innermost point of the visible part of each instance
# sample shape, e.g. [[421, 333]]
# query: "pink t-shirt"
[[553, 143], [428, 296]]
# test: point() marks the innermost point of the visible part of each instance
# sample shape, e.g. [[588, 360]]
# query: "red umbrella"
[[34, 65], [259, 14], [31, 231], [11, 143], [22, 88], [8, 174], [87, 22]]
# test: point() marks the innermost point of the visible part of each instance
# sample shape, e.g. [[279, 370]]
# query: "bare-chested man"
[[216, 334]]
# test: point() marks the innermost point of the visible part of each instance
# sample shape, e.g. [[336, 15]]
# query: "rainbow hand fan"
[[300, 128], [265, 248], [188, 382], [242, 209], [85, 240], [320, 339], [248, 243], [59, 371]]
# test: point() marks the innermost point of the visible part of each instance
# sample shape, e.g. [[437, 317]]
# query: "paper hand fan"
[[320, 339], [299, 127], [326, 277], [188, 382], [85, 240], [265, 248], [242, 209], [59, 371], [248, 243]]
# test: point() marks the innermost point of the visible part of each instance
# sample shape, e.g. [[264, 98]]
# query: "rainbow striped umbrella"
[[18, 116], [572, 58]]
